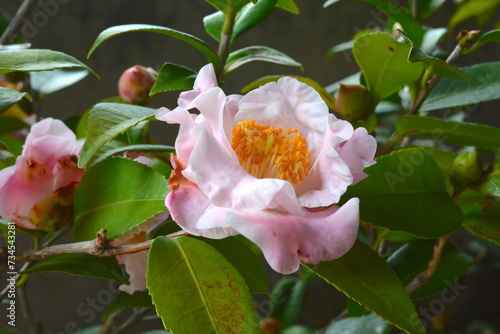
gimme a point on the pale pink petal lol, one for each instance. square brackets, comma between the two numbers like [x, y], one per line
[289, 104]
[329, 176]
[184, 143]
[227, 184]
[135, 266]
[358, 153]
[313, 237]
[205, 80]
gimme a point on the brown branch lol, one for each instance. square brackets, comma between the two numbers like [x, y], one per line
[17, 21]
[422, 278]
[98, 247]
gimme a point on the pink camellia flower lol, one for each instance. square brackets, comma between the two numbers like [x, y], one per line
[135, 84]
[38, 191]
[270, 165]
[135, 263]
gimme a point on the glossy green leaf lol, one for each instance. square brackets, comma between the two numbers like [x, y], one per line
[298, 329]
[383, 62]
[410, 183]
[482, 10]
[85, 265]
[45, 83]
[411, 26]
[427, 7]
[149, 148]
[124, 300]
[359, 325]
[339, 48]
[11, 124]
[244, 260]
[9, 97]
[249, 54]
[413, 258]
[449, 93]
[366, 278]
[459, 133]
[197, 43]
[328, 98]
[247, 18]
[5, 152]
[108, 120]
[434, 66]
[196, 290]
[228, 6]
[288, 5]
[33, 60]
[117, 194]
[173, 77]
[482, 220]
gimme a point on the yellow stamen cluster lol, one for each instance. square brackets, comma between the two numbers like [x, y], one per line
[267, 152]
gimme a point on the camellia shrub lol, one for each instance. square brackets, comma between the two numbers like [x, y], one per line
[375, 185]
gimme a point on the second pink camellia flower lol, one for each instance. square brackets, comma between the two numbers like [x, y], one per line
[270, 165]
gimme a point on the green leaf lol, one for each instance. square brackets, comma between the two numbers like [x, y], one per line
[33, 60]
[11, 124]
[124, 300]
[196, 290]
[482, 10]
[85, 265]
[244, 260]
[117, 194]
[482, 220]
[359, 325]
[135, 148]
[90, 330]
[459, 133]
[412, 27]
[288, 5]
[410, 185]
[197, 43]
[327, 97]
[413, 258]
[228, 6]
[492, 36]
[434, 66]
[173, 77]
[108, 120]
[366, 278]
[490, 185]
[247, 18]
[249, 54]
[251, 15]
[383, 62]
[49, 82]
[450, 93]
[5, 152]
[339, 48]
[9, 97]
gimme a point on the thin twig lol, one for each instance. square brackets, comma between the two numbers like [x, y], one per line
[98, 247]
[17, 21]
[136, 316]
[422, 278]
[110, 322]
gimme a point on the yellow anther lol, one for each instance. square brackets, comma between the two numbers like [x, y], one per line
[267, 152]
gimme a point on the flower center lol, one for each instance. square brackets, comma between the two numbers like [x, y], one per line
[267, 152]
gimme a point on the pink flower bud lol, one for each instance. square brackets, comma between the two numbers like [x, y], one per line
[136, 83]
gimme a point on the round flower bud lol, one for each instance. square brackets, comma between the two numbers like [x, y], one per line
[136, 83]
[467, 168]
[353, 102]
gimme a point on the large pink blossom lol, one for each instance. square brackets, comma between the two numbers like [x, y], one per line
[38, 191]
[270, 165]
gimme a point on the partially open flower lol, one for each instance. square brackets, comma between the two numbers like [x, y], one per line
[270, 165]
[38, 191]
[135, 84]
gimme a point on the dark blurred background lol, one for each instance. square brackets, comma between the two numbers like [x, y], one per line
[71, 26]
